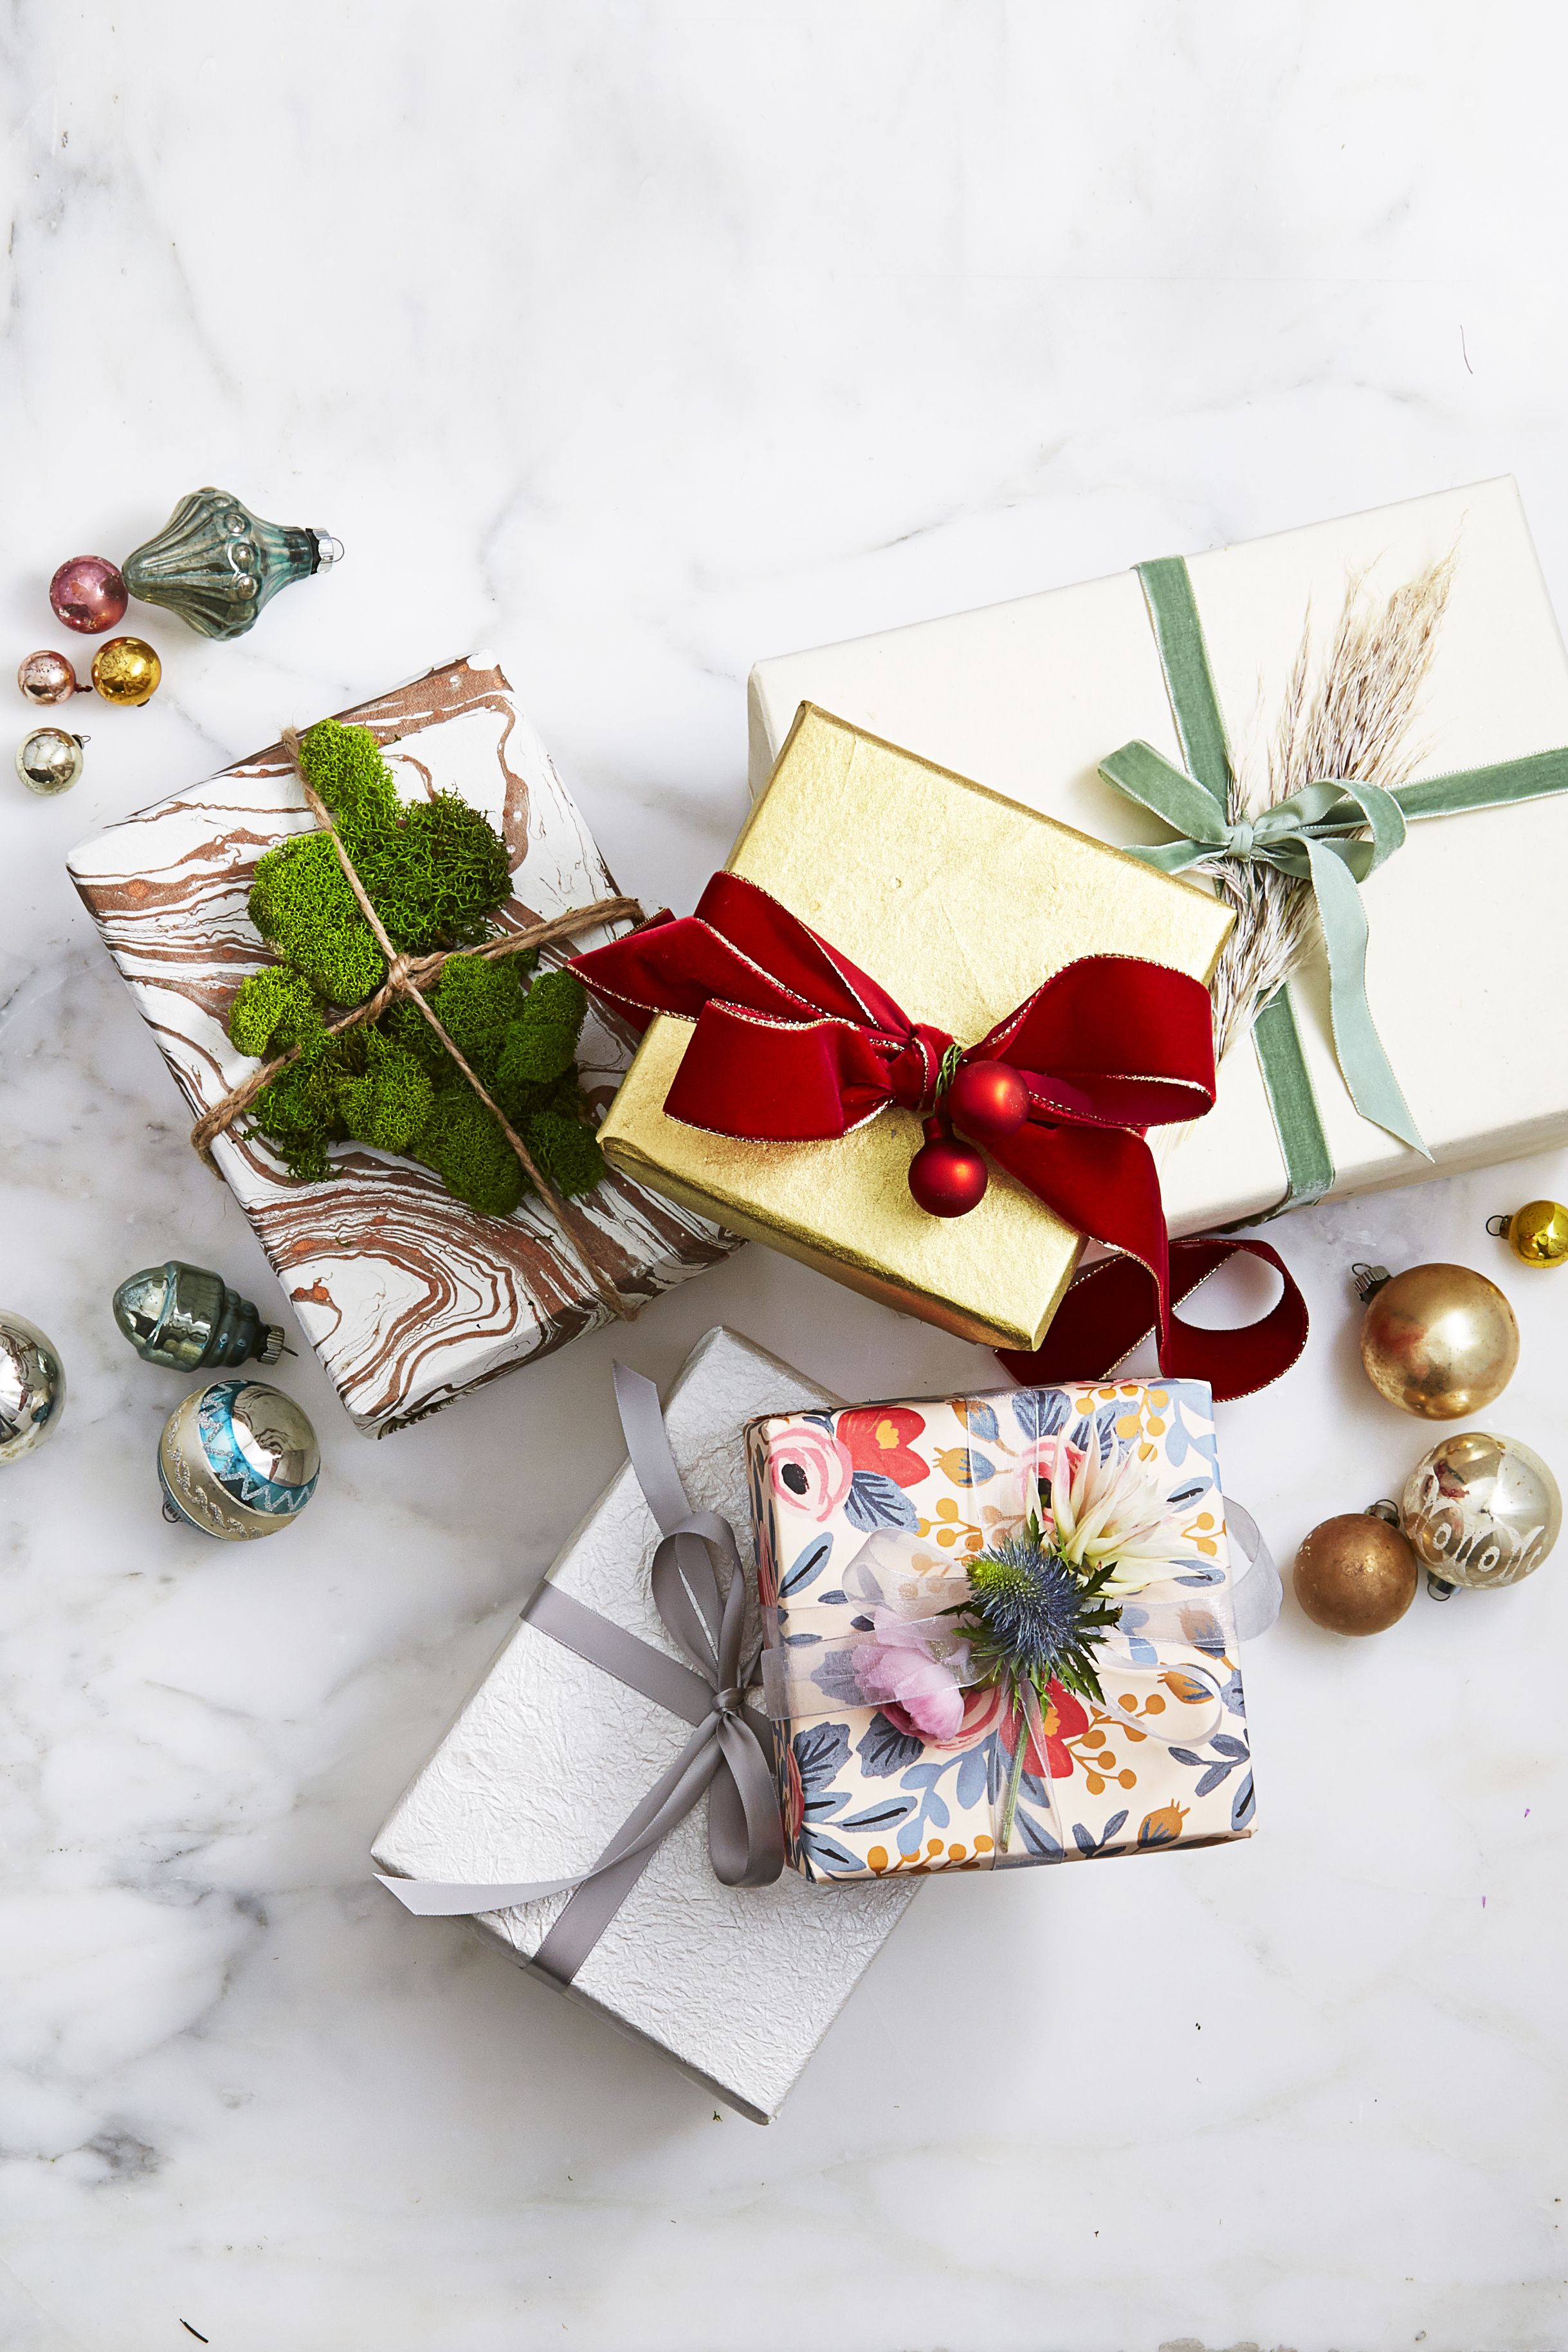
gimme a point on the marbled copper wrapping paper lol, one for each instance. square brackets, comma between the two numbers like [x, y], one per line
[406, 1295]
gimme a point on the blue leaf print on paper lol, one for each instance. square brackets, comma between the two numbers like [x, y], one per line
[978, 1419]
[883, 1748]
[1243, 1805]
[910, 1838]
[820, 1750]
[1190, 1493]
[1198, 1573]
[877, 1817]
[1039, 1412]
[807, 1568]
[1038, 1841]
[972, 1773]
[834, 1678]
[1083, 1838]
[827, 1857]
[1113, 1827]
[1212, 1778]
[819, 1420]
[875, 1501]
[1225, 1743]
[934, 1811]
[801, 1641]
[1133, 1619]
[1202, 1631]
[832, 1599]
[1185, 1756]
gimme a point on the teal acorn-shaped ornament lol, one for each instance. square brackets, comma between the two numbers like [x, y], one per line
[237, 1460]
[185, 1317]
[216, 565]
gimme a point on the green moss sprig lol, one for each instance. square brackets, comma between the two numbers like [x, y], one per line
[435, 874]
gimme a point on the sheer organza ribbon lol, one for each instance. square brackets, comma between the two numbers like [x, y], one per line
[725, 1757]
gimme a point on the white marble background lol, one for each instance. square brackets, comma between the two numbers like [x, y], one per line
[638, 341]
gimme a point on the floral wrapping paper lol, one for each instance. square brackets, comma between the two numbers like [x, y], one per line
[862, 1793]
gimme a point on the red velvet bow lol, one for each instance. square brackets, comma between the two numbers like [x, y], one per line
[794, 1043]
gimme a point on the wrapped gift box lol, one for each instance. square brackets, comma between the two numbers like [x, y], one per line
[960, 903]
[550, 1754]
[408, 1296]
[917, 1489]
[1467, 936]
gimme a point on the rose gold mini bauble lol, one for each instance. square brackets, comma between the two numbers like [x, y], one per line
[1439, 1342]
[988, 1098]
[1355, 1574]
[948, 1178]
[126, 670]
[45, 677]
[88, 595]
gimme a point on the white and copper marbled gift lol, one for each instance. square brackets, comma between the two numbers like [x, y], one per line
[408, 1296]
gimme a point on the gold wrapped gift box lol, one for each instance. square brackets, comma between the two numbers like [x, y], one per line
[960, 903]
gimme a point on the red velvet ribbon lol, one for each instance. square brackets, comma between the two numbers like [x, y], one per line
[1111, 1308]
[794, 1043]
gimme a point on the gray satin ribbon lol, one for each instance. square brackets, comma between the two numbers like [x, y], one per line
[724, 1755]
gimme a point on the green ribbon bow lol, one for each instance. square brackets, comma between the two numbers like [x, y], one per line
[1330, 834]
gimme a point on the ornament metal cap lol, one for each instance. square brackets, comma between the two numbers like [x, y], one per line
[185, 1317]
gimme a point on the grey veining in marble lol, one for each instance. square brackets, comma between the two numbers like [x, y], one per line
[639, 339]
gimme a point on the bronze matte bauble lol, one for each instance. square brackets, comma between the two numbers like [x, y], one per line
[1439, 1342]
[1355, 1574]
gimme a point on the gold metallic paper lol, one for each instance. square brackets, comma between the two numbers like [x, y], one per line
[960, 903]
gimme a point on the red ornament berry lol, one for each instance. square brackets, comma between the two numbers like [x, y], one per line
[948, 1178]
[988, 1098]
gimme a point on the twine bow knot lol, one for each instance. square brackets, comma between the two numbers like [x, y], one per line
[407, 979]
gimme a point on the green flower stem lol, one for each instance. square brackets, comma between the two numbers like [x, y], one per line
[1015, 1778]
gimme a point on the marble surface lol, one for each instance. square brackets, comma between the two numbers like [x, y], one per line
[638, 341]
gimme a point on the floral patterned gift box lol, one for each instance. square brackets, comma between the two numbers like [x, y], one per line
[908, 1554]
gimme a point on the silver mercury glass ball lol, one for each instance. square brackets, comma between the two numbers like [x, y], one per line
[237, 1459]
[32, 1386]
[48, 760]
[1481, 1511]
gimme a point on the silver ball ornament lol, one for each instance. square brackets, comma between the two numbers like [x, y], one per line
[237, 1459]
[48, 760]
[1481, 1511]
[32, 1386]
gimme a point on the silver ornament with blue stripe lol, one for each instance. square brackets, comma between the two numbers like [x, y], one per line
[239, 1460]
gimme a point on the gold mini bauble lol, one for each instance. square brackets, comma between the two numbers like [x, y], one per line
[1439, 1342]
[126, 670]
[1355, 1574]
[1537, 1232]
[1481, 1511]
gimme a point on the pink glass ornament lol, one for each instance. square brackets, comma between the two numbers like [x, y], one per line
[88, 595]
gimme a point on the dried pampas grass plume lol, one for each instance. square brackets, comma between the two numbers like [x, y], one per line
[1354, 724]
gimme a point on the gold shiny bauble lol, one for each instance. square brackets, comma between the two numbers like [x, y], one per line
[1439, 1342]
[1355, 1574]
[126, 670]
[1539, 1233]
[1481, 1510]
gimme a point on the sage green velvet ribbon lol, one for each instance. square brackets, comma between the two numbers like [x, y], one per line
[1330, 834]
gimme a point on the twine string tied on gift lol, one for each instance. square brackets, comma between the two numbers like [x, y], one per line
[407, 977]
[725, 1756]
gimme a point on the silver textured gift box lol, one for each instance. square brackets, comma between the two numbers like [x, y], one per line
[550, 1754]
[1467, 942]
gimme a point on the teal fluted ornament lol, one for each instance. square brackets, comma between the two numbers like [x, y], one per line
[185, 1317]
[216, 565]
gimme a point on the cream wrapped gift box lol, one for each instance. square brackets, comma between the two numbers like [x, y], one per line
[1468, 941]
[551, 1755]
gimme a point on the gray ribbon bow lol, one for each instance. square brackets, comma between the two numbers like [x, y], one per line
[724, 1756]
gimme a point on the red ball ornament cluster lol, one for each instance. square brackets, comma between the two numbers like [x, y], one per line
[948, 1176]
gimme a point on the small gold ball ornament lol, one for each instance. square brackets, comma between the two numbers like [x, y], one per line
[1439, 1342]
[1482, 1511]
[1537, 1232]
[48, 760]
[126, 670]
[1355, 1574]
